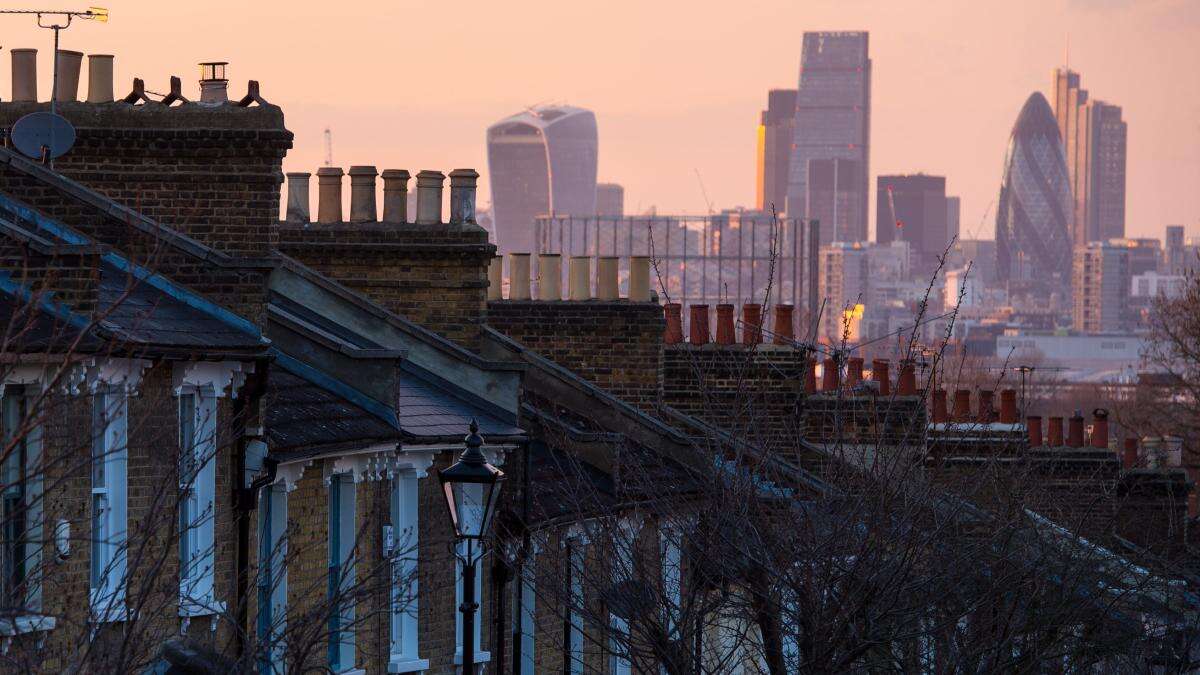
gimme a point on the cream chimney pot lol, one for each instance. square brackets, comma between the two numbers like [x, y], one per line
[496, 278]
[100, 78]
[329, 194]
[362, 194]
[395, 196]
[606, 278]
[69, 63]
[24, 74]
[550, 276]
[639, 279]
[579, 278]
[429, 197]
[518, 276]
[462, 195]
[297, 203]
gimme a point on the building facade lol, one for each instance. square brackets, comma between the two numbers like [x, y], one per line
[776, 133]
[914, 208]
[1101, 283]
[844, 286]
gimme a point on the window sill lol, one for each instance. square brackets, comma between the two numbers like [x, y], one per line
[480, 657]
[396, 665]
[109, 612]
[352, 671]
[26, 623]
[192, 607]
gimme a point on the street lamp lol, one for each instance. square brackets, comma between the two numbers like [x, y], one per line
[472, 489]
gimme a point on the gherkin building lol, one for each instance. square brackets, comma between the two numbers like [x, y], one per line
[1033, 216]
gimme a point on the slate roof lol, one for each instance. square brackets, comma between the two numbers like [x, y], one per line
[431, 413]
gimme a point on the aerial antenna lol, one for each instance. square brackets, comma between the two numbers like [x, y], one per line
[328, 147]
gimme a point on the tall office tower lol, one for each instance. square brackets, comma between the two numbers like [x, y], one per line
[1101, 284]
[1034, 210]
[913, 209]
[610, 199]
[833, 194]
[954, 217]
[776, 131]
[1145, 253]
[842, 284]
[1173, 252]
[980, 254]
[833, 121]
[1093, 136]
[541, 161]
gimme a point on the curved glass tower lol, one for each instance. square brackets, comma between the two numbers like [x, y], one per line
[1034, 215]
[541, 161]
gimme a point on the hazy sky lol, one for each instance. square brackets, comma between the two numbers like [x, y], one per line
[677, 86]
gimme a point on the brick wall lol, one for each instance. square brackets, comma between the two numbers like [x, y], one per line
[615, 345]
[434, 275]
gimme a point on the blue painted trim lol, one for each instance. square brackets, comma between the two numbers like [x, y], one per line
[45, 303]
[157, 281]
[336, 387]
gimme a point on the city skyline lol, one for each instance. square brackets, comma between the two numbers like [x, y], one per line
[924, 67]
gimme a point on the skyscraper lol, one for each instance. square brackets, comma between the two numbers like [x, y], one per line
[1101, 284]
[913, 209]
[833, 194]
[541, 161]
[833, 121]
[1094, 139]
[610, 199]
[776, 131]
[954, 216]
[1034, 211]
[1173, 251]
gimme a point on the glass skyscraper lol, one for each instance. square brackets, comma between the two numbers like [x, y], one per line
[833, 122]
[1034, 213]
[541, 161]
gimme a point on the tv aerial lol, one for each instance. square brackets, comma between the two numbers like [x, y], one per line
[46, 135]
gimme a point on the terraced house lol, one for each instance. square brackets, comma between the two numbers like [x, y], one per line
[222, 432]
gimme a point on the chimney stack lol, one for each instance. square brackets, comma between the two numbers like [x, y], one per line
[1035, 430]
[429, 197]
[1054, 435]
[24, 74]
[725, 324]
[830, 375]
[1075, 431]
[606, 278]
[674, 332]
[462, 195]
[879, 373]
[907, 382]
[1130, 456]
[1008, 406]
[329, 195]
[1100, 428]
[854, 370]
[751, 323]
[362, 194]
[549, 275]
[698, 328]
[297, 203]
[69, 64]
[810, 374]
[495, 277]
[639, 278]
[987, 406]
[395, 195]
[785, 330]
[940, 416]
[579, 277]
[100, 78]
[214, 86]
[962, 405]
[518, 276]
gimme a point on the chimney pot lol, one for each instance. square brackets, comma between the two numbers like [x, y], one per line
[518, 276]
[69, 63]
[830, 375]
[810, 375]
[785, 329]
[1075, 432]
[606, 278]
[462, 195]
[362, 194]
[1008, 406]
[987, 406]
[297, 203]
[879, 373]
[962, 405]
[907, 382]
[429, 197]
[1100, 428]
[1035, 431]
[495, 278]
[100, 78]
[24, 74]
[698, 328]
[940, 416]
[579, 277]
[751, 323]
[1130, 456]
[1054, 434]
[639, 278]
[725, 324]
[329, 195]
[549, 276]
[854, 370]
[214, 86]
[674, 332]
[395, 195]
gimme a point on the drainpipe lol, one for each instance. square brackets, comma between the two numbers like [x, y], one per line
[245, 407]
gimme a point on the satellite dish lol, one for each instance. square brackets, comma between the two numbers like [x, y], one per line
[43, 134]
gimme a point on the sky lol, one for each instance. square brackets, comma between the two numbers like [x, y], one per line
[677, 85]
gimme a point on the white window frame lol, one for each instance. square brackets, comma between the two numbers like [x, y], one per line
[576, 552]
[272, 580]
[526, 618]
[625, 544]
[198, 484]
[404, 655]
[343, 530]
[24, 473]
[110, 466]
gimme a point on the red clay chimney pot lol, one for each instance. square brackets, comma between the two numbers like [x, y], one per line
[1075, 431]
[962, 405]
[1129, 457]
[879, 372]
[854, 370]
[907, 382]
[674, 333]
[785, 331]
[751, 323]
[1035, 431]
[1054, 435]
[698, 330]
[725, 324]
[829, 379]
[1100, 428]
[1008, 406]
[940, 416]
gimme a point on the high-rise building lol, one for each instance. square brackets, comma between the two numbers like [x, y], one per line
[954, 217]
[834, 196]
[842, 284]
[1173, 253]
[913, 208]
[833, 121]
[1034, 209]
[1101, 284]
[1093, 136]
[980, 254]
[610, 199]
[776, 131]
[541, 161]
[1145, 253]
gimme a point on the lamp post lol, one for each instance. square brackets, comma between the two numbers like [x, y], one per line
[472, 489]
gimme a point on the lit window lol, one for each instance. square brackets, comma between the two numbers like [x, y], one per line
[110, 457]
[197, 504]
[22, 505]
[341, 572]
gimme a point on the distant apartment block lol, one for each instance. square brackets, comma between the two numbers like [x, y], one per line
[610, 199]
[833, 122]
[776, 132]
[843, 285]
[913, 208]
[1094, 142]
[1145, 254]
[1101, 285]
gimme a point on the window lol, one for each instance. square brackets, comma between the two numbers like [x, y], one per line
[404, 648]
[110, 456]
[341, 572]
[272, 578]
[525, 612]
[197, 488]
[575, 560]
[21, 485]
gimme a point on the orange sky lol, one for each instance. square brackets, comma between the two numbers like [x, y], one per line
[677, 85]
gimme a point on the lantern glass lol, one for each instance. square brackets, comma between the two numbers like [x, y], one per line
[471, 490]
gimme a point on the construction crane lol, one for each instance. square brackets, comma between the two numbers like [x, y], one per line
[328, 147]
[703, 191]
[892, 207]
